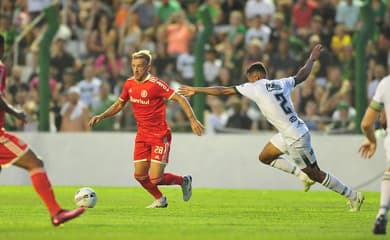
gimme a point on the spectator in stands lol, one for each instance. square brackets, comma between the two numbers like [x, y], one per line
[211, 67]
[102, 36]
[100, 104]
[74, 113]
[16, 84]
[282, 60]
[232, 46]
[89, 86]
[229, 6]
[264, 8]
[310, 116]
[258, 30]
[307, 92]
[130, 36]
[7, 30]
[92, 41]
[177, 33]
[216, 119]
[379, 73]
[276, 31]
[254, 52]
[347, 14]
[347, 62]
[61, 59]
[239, 118]
[215, 11]
[339, 40]
[325, 59]
[343, 119]
[146, 11]
[68, 80]
[302, 12]
[185, 67]
[336, 90]
[166, 9]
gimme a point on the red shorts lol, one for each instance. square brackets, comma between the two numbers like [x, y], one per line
[155, 151]
[11, 148]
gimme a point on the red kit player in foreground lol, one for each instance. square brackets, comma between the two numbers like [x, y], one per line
[146, 94]
[14, 151]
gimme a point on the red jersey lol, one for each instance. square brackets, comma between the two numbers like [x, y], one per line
[3, 75]
[147, 101]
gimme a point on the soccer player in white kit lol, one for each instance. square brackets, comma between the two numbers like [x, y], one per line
[380, 102]
[293, 137]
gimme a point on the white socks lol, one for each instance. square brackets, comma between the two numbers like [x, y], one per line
[385, 195]
[286, 166]
[336, 185]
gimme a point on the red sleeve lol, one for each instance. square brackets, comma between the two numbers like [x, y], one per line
[125, 92]
[163, 89]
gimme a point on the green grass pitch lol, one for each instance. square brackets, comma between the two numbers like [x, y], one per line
[211, 214]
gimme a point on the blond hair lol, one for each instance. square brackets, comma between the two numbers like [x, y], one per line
[145, 54]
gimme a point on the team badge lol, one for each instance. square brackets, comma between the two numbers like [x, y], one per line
[144, 93]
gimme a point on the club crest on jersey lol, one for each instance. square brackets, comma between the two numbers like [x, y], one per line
[144, 93]
[272, 87]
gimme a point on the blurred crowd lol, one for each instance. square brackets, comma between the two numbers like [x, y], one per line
[90, 58]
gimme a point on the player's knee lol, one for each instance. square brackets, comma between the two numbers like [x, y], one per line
[156, 180]
[37, 163]
[265, 158]
[141, 178]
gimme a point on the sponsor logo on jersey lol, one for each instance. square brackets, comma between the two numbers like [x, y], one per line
[273, 87]
[144, 93]
[139, 101]
[160, 84]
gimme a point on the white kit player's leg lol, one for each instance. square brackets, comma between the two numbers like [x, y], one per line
[283, 164]
[385, 195]
[381, 218]
[355, 198]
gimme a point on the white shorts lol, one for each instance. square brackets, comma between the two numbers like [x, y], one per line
[300, 151]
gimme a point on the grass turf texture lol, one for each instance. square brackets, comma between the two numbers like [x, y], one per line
[211, 214]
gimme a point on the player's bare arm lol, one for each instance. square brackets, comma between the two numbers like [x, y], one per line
[8, 108]
[304, 72]
[196, 126]
[383, 120]
[111, 111]
[215, 90]
[368, 147]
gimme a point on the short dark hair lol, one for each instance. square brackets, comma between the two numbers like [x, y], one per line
[257, 67]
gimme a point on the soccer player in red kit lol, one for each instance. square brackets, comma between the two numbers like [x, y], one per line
[146, 94]
[13, 151]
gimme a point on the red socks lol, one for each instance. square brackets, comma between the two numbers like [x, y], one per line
[150, 187]
[42, 186]
[171, 179]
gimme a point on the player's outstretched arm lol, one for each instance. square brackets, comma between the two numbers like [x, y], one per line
[368, 147]
[215, 90]
[304, 72]
[8, 108]
[196, 126]
[111, 111]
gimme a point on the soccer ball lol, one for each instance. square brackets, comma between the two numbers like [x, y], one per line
[85, 197]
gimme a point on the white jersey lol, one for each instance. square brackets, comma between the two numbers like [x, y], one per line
[274, 100]
[381, 99]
